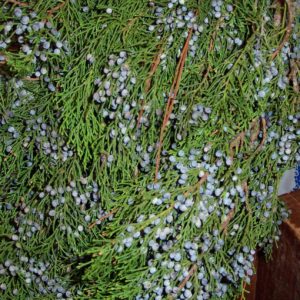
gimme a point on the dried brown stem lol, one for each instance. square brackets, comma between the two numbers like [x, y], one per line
[102, 218]
[31, 78]
[57, 7]
[264, 130]
[187, 278]
[246, 190]
[211, 47]
[228, 218]
[11, 153]
[255, 131]
[293, 76]
[243, 292]
[206, 73]
[214, 35]
[278, 13]
[237, 143]
[153, 69]
[23, 4]
[172, 97]
[197, 185]
[288, 29]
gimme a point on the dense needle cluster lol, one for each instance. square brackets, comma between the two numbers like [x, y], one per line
[141, 145]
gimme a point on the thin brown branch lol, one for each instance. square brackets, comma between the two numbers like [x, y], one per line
[264, 130]
[206, 73]
[245, 188]
[130, 23]
[153, 69]
[288, 29]
[293, 76]
[197, 185]
[278, 13]
[211, 46]
[177, 79]
[246, 191]
[237, 143]
[172, 97]
[243, 291]
[57, 7]
[103, 218]
[11, 153]
[15, 2]
[187, 278]
[148, 82]
[254, 129]
[214, 35]
[31, 78]
[228, 218]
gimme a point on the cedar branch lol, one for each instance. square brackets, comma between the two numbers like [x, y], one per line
[198, 184]
[153, 69]
[228, 218]
[293, 76]
[278, 13]
[236, 143]
[57, 7]
[102, 218]
[288, 29]
[172, 96]
[186, 279]
[23, 4]
[264, 130]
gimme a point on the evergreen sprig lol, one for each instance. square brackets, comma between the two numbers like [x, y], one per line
[142, 143]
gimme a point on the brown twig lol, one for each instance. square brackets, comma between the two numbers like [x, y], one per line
[246, 191]
[231, 213]
[11, 153]
[211, 47]
[130, 23]
[172, 97]
[288, 29]
[207, 71]
[186, 279]
[264, 130]
[197, 185]
[57, 7]
[228, 218]
[102, 218]
[293, 76]
[213, 38]
[31, 78]
[177, 79]
[153, 69]
[243, 292]
[141, 112]
[254, 134]
[23, 4]
[278, 12]
[237, 143]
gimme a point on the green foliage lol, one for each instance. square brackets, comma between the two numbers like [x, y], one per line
[86, 190]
